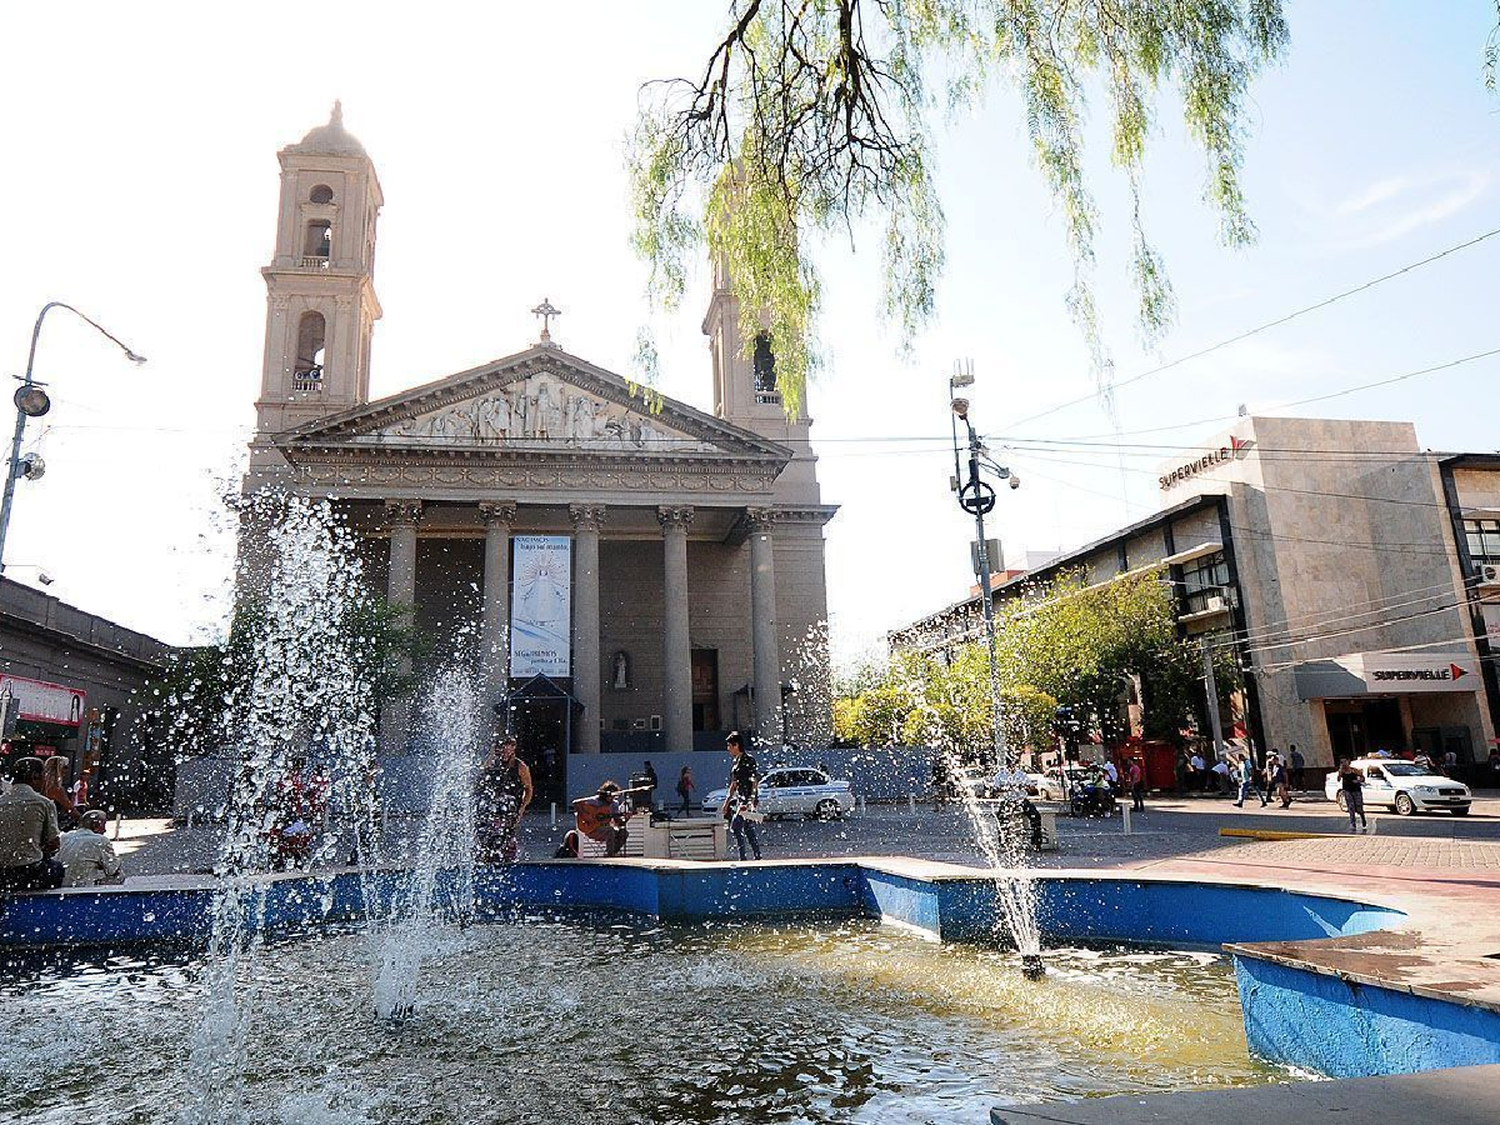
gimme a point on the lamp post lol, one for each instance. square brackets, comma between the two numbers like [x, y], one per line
[33, 402]
[977, 496]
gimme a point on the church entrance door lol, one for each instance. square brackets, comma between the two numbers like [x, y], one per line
[706, 689]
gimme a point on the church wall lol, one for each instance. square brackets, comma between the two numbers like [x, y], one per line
[631, 619]
[802, 624]
[719, 618]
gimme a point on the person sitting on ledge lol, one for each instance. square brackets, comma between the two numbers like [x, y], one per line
[601, 818]
[28, 833]
[86, 854]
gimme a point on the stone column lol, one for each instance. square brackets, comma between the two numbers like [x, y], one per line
[401, 517]
[494, 638]
[679, 657]
[767, 678]
[587, 521]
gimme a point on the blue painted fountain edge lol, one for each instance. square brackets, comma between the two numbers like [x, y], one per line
[1346, 1029]
[1292, 1015]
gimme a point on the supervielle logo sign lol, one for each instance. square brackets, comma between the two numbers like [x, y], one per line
[1211, 460]
[1450, 674]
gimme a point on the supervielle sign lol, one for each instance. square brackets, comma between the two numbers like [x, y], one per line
[1210, 460]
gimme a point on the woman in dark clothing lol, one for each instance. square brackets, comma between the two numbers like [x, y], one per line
[501, 796]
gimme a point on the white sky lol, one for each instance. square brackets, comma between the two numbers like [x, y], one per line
[142, 185]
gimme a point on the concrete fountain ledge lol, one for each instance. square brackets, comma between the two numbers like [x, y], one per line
[1343, 979]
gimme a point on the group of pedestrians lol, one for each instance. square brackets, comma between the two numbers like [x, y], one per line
[1274, 779]
[504, 791]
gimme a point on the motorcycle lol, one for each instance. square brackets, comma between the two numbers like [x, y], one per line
[1092, 796]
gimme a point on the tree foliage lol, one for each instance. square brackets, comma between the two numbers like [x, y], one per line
[1067, 644]
[193, 704]
[810, 115]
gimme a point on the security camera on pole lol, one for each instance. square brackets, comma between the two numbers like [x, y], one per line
[977, 497]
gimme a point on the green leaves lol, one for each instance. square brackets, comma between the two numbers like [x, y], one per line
[812, 115]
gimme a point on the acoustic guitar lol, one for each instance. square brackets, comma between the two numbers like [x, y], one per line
[593, 818]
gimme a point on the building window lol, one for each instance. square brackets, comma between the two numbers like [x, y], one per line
[307, 371]
[763, 365]
[321, 194]
[1484, 541]
[317, 247]
[1203, 579]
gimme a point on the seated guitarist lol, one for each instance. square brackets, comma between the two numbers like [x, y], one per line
[601, 817]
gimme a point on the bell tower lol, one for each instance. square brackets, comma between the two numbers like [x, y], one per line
[321, 303]
[745, 391]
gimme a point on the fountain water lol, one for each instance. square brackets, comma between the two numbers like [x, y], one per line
[441, 882]
[999, 831]
[297, 684]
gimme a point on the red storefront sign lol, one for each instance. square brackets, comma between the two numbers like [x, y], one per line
[43, 702]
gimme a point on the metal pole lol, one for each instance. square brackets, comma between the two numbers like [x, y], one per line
[1212, 686]
[14, 464]
[987, 601]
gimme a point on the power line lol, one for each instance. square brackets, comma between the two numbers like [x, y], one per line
[1245, 335]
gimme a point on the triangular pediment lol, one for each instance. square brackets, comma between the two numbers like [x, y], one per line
[540, 401]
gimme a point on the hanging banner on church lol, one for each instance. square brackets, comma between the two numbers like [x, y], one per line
[541, 610]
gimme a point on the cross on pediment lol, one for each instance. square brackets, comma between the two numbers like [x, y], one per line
[546, 312]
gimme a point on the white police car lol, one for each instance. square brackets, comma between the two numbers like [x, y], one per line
[1403, 786]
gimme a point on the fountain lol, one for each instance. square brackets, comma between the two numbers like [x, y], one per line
[726, 1002]
[440, 885]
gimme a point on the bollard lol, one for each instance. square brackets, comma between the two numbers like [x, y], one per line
[118, 818]
[1125, 810]
[911, 802]
[554, 814]
[861, 800]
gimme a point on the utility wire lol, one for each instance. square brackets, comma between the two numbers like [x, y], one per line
[1245, 335]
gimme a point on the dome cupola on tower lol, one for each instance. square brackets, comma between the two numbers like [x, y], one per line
[331, 139]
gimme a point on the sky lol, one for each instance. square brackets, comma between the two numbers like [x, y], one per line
[143, 183]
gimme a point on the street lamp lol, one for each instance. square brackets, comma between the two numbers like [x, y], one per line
[33, 402]
[977, 497]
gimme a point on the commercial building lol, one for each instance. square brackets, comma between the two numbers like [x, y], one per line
[74, 677]
[644, 575]
[1356, 575]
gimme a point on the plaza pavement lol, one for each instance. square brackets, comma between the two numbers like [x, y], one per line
[1170, 830]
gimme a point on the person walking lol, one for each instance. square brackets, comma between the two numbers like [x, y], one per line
[1135, 780]
[685, 789]
[744, 787]
[1276, 778]
[1245, 775]
[1299, 769]
[1352, 782]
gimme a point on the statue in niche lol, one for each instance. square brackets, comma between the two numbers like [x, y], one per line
[619, 671]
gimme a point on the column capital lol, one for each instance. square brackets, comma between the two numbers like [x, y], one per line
[762, 520]
[674, 518]
[587, 517]
[497, 512]
[403, 513]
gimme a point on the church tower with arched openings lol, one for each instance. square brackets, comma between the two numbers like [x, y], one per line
[745, 391]
[321, 303]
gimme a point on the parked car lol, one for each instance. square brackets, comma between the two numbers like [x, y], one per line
[794, 791]
[1404, 786]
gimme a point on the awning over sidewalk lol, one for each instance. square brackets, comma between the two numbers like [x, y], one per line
[1387, 673]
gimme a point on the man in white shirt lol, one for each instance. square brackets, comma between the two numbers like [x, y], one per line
[1114, 774]
[87, 856]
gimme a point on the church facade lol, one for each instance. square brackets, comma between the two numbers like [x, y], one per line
[638, 576]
